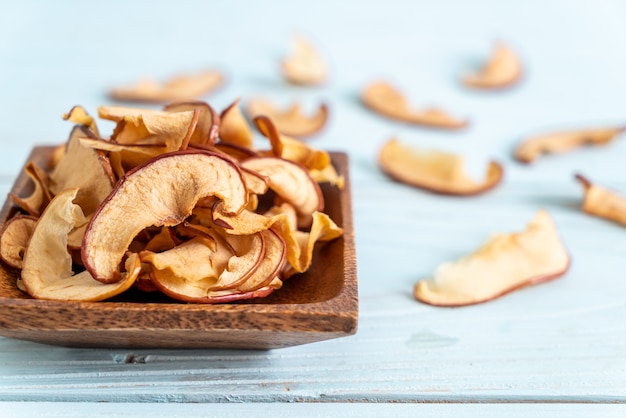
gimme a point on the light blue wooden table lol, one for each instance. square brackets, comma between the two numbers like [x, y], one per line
[558, 348]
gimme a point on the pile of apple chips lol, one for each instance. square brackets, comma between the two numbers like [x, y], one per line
[177, 200]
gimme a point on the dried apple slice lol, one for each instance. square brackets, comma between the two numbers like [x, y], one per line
[559, 142]
[305, 66]
[292, 183]
[234, 128]
[383, 98]
[47, 266]
[40, 197]
[208, 127]
[14, 238]
[79, 115]
[504, 263]
[291, 121]
[503, 69]
[182, 87]
[435, 171]
[84, 168]
[271, 265]
[290, 148]
[170, 186]
[602, 202]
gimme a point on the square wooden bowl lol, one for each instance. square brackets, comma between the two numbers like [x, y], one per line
[317, 305]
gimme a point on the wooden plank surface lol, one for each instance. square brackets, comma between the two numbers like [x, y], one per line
[559, 344]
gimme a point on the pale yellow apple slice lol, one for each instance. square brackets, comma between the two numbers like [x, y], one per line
[163, 191]
[602, 202]
[504, 263]
[234, 128]
[436, 171]
[84, 168]
[560, 142]
[14, 238]
[182, 87]
[503, 69]
[47, 265]
[384, 99]
[291, 121]
[291, 182]
[305, 65]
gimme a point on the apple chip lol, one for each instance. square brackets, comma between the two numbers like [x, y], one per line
[183, 87]
[383, 98]
[560, 142]
[84, 168]
[41, 195]
[14, 238]
[234, 128]
[292, 183]
[171, 185]
[436, 171]
[504, 263]
[291, 121]
[602, 202]
[47, 265]
[79, 115]
[305, 66]
[503, 69]
[208, 128]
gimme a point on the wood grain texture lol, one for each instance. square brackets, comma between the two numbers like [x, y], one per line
[319, 304]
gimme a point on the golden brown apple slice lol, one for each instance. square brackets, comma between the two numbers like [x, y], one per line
[36, 202]
[47, 266]
[602, 202]
[291, 121]
[163, 191]
[84, 168]
[436, 171]
[504, 263]
[208, 127]
[271, 265]
[290, 148]
[383, 98]
[292, 183]
[559, 142]
[503, 69]
[234, 128]
[182, 87]
[79, 115]
[305, 66]
[14, 238]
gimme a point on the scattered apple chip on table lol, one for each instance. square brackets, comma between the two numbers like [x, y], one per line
[602, 202]
[305, 65]
[504, 263]
[560, 142]
[503, 69]
[182, 87]
[292, 121]
[385, 99]
[432, 170]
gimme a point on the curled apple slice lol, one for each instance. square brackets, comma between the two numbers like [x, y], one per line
[504, 263]
[207, 130]
[171, 185]
[383, 98]
[79, 115]
[36, 202]
[559, 142]
[182, 87]
[435, 171]
[305, 66]
[503, 69]
[84, 168]
[47, 265]
[291, 121]
[14, 238]
[290, 148]
[234, 128]
[602, 202]
[292, 183]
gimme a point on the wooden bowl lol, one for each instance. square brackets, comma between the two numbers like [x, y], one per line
[317, 305]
